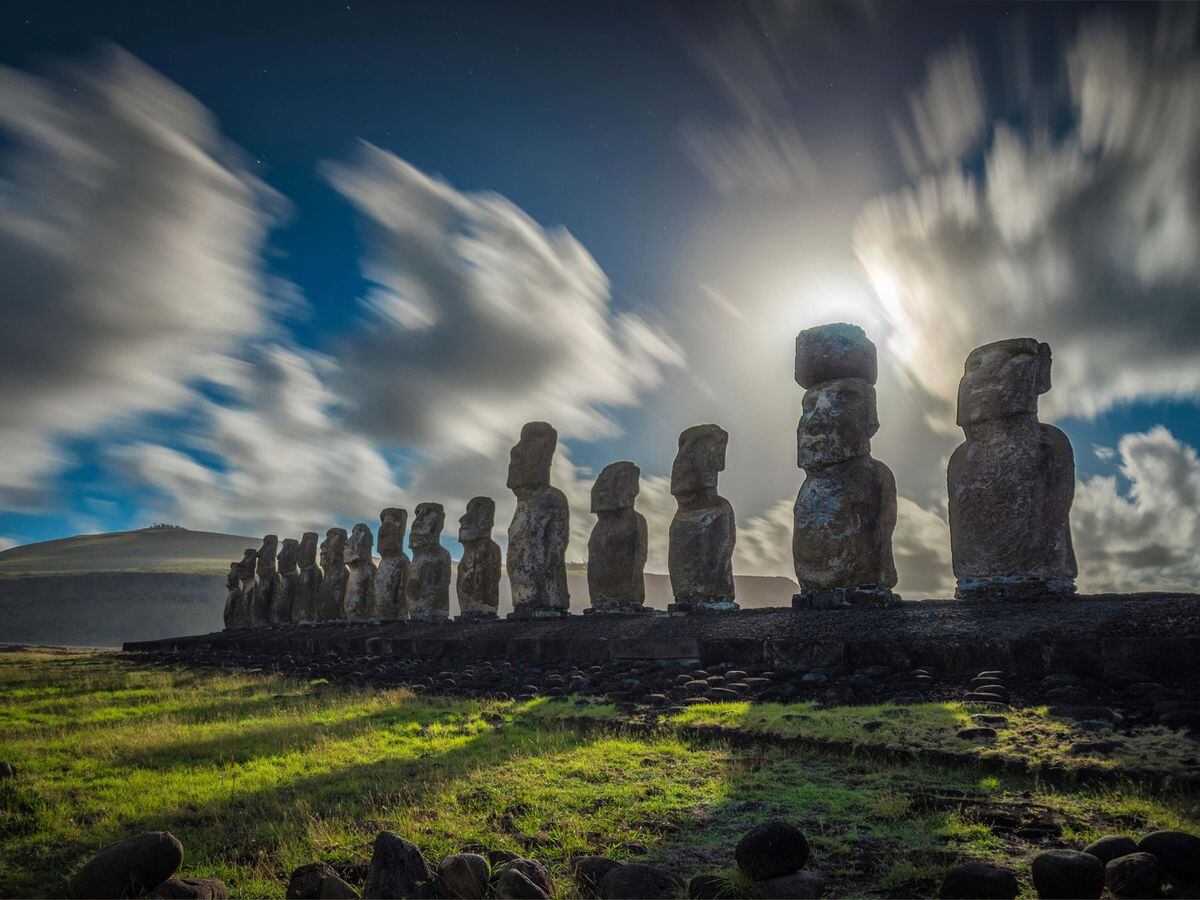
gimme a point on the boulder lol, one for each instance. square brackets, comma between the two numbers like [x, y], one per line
[1134, 876]
[513, 884]
[977, 880]
[464, 875]
[129, 867]
[306, 882]
[531, 869]
[1177, 852]
[1067, 875]
[637, 881]
[710, 887]
[1111, 846]
[794, 886]
[176, 888]
[771, 849]
[7, 770]
[397, 869]
[590, 870]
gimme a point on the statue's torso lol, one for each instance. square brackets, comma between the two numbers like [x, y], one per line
[428, 584]
[537, 545]
[617, 558]
[700, 555]
[478, 585]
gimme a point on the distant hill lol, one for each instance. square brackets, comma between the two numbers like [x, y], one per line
[104, 589]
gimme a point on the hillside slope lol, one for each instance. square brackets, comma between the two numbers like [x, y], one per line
[144, 550]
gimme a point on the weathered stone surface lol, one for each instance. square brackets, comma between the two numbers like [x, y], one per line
[540, 528]
[478, 582]
[617, 545]
[464, 876]
[1176, 851]
[286, 578]
[391, 598]
[233, 596]
[428, 587]
[308, 584]
[976, 880]
[590, 870]
[794, 886]
[637, 880]
[707, 886]
[1133, 876]
[703, 531]
[397, 869]
[845, 512]
[359, 600]
[771, 849]
[522, 879]
[7, 771]
[1067, 875]
[264, 581]
[245, 611]
[129, 867]
[334, 575]
[318, 881]
[1011, 483]
[176, 888]
[1111, 846]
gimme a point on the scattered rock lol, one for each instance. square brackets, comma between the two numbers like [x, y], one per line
[709, 887]
[771, 849]
[533, 870]
[318, 881]
[7, 770]
[978, 734]
[1111, 846]
[1067, 875]
[498, 858]
[794, 886]
[1176, 851]
[1133, 876]
[176, 888]
[129, 867]
[635, 880]
[513, 884]
[464, 876]
[976, 880]
[590, 870]
[397, 868]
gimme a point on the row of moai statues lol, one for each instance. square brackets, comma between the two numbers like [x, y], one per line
[1011, 484]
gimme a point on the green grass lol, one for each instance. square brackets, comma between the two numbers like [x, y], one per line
[258, 774]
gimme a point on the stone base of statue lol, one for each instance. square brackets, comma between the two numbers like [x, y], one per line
[1007, 588]
[842, 598]
[477, 615]
[429, 615]
[688, 605]
[618, 609]
[518, 615]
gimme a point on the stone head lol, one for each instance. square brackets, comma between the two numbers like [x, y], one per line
[333, 549]
[1003, 379]
[838, 350]
[529, 461]
[700, 459]
[392, 522]
[289, 552]
[248, 563]
[837, 424]
[361, 542]
[428, 522]
[266, 554]
[616, 487]
[477, 522]
[307, 552]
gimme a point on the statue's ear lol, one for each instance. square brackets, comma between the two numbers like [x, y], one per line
[1043, 381]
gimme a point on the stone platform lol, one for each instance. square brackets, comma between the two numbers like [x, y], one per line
[1155, 635]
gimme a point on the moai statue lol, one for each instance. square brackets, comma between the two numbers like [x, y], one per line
[428, 587]
[308, 584]
[233, 596]
[391, 602]
[1011, 482]
[478, 583]
[703, 532]
[284, 590]
[540, 528]
[617, 545]
[846, 509]
[359, 598]
[334, 576]
[245, 613]
[265, 582]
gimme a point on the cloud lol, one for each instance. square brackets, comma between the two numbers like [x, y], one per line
[947, 112]
[129, 256]
[479, 319]
[1085, 241]
[1145, 537]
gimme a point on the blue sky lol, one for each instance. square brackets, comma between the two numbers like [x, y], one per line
[683, 188]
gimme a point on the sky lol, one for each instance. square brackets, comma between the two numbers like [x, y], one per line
[277, 266]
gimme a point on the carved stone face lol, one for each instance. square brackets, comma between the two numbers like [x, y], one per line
[360, 544]
[1003, 379]
[266, 554]
[476, 523]
[700, 459]
[529, 461]
[616, 487]
[307, 553]
[427, 525]
[289, 551]
[334, 548]
[838, 422]
[392, 522]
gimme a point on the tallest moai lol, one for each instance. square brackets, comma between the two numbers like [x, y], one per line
[1011, 482]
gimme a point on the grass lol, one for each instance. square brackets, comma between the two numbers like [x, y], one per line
[257, 774]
